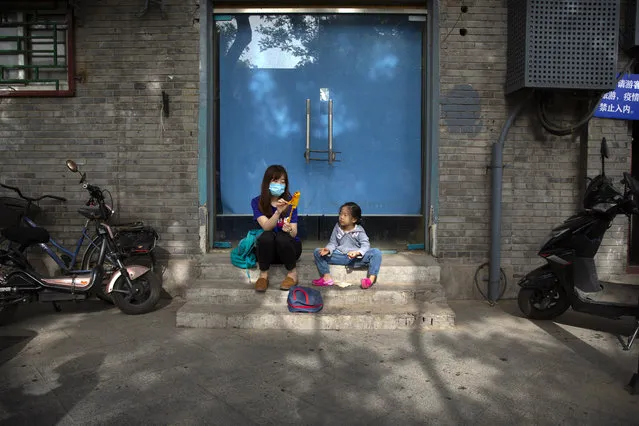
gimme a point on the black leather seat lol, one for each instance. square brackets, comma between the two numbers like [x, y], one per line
[26, 236]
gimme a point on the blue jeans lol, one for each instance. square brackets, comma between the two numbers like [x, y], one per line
[372, 259]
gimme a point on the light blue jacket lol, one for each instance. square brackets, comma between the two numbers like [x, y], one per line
[354, 240]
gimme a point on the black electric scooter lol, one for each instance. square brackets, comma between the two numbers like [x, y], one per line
[569, 278]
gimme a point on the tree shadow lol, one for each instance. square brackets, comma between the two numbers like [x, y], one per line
[487, 368]
[29, 405]
[434, 378]
[544, 373]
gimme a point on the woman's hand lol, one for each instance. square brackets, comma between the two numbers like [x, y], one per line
[290, 228]
[353, 254]
[324, 251]
[281, 206]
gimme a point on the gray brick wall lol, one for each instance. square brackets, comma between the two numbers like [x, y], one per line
[541, 179]
[612, 257]
[113, 127]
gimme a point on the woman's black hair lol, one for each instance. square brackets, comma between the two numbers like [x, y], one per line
[272, 172]
[356, 211]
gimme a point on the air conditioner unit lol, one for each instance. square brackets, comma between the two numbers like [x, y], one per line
[562, 44]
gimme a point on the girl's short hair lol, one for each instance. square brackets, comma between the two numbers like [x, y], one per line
[355, 210]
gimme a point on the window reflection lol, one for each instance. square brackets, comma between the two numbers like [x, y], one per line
[368, 65]
[373, 43]
[270, 41]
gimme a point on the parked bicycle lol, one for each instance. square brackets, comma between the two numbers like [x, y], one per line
[135, 289]
[135, 241]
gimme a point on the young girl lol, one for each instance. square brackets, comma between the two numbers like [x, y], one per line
[279, 242]
[348, 245]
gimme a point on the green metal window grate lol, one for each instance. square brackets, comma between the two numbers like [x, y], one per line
[34, 52]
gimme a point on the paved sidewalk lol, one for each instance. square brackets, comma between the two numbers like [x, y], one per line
[91, 364]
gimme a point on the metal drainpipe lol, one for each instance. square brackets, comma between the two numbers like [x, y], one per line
[495, 217]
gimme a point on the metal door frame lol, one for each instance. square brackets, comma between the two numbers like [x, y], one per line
[208, 108]
[321, 10]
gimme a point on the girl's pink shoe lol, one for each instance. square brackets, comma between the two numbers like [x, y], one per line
[321, 282]
[366, 283]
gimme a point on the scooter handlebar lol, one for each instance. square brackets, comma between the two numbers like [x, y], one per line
[94, 191]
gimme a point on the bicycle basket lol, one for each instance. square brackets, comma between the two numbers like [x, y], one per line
[137, 240]
[12, 208]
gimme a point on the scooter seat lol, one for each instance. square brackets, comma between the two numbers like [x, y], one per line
[612, 294]
[26, 236]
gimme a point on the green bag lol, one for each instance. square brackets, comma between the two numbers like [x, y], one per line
[243, 256]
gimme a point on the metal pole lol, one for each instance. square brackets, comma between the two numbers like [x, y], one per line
[307, 152]
[431, 100]
[330, 131]
[495, 222]
[495, 218]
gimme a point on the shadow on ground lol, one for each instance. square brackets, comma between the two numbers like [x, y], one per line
[103, 367]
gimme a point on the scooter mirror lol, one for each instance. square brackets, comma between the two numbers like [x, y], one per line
[72, 166]
[604, 148]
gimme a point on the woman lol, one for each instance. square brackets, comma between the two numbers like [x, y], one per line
[279, 242]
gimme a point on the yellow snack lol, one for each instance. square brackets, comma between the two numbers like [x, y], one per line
[293, 203]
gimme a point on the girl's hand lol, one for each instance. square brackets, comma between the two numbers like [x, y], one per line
[287, 227]
[353, 254]
[324, 251]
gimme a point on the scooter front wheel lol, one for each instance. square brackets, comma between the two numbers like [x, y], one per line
[141, 298]
[543, 304]
[90, 259]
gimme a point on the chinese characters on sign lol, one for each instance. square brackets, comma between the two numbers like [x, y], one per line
[623, 102]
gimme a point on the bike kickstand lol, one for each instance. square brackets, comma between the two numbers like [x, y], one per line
[56, 307]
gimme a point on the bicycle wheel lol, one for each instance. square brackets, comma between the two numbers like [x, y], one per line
[90, 259]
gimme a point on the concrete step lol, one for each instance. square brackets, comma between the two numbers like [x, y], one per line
[373, 317]
[407, 268]
[237, 292]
